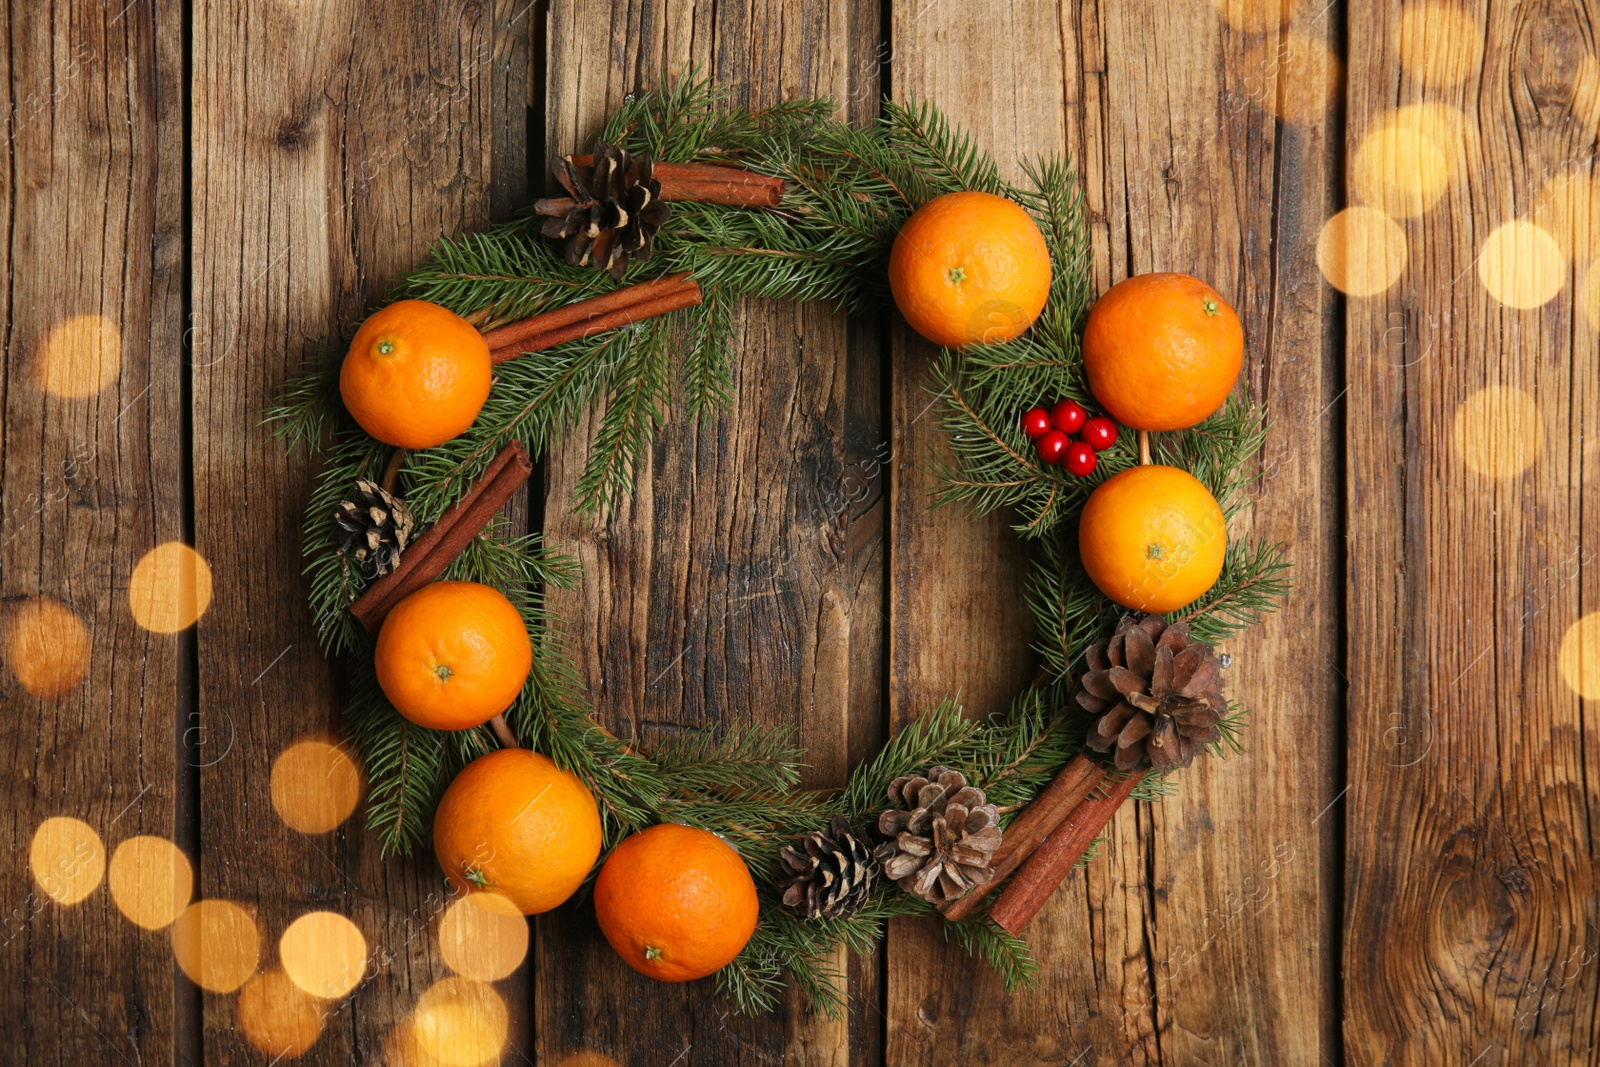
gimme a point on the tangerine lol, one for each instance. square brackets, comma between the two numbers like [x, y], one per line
[969, 267]
[1153, 538]
[677, 903]
[416, 375]
[1162, 351]
[453, 655]
[514, 823]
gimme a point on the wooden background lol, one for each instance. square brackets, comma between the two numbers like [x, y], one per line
[1401, 869]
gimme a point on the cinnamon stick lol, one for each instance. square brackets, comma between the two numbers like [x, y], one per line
[710, 184]
[672, 301]
[591, 308]
[431, 553]
[1033, 825]
[1053, 860]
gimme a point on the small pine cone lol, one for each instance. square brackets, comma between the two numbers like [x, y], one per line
[831, 873]
[609, 215]
[1156, 692]
[943, 834]
[377, 527]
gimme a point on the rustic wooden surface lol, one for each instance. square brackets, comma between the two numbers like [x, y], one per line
[1401, 867]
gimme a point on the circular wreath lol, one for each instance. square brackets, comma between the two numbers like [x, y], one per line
[782, 203]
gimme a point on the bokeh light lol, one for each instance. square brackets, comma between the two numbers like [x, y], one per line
[588, 1058]
[1402, 167]
[67, 859]
[324, 954]
[1579, 659]
[1568, 207]
[1295, 77]
[150, 881]
[483, 936]
[170, 588]
[1252, 16]
[315, 785]
[277, 1017]
[1589, 295]
[1440, 44]
[1521, 265]
[460, 1022]
[217, 945]
[81, 356]
[1498, 431]
[1361, 251]
[46, 647]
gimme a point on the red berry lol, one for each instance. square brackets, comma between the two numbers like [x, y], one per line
[1051, 445]
[1036, 423]
[1080, 459]
[1067, 416]
[1099, 433]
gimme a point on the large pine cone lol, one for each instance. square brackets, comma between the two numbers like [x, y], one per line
[1157, 692]
[609, 215]
[943, 838]
[831, 874]
[377, 526]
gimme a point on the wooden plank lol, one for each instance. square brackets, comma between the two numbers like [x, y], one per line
[742, 581]
[332, 144]
[1471, 898]
[90, 454]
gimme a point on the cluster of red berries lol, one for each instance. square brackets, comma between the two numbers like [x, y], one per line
[1051, 433]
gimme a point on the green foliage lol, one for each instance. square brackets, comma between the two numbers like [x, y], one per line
[847, 192]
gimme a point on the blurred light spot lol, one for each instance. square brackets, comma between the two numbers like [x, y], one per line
[47, 647]
[315, 786]
[588, 1058]
[1401, 167]
[1568, 207]
[217, 944]
[1586, 92]
[1580, 656]
[324, 954]
[460, 1022]
[1440, 45]
[81, 356]
[67, 859]
[1295, 78]
[151, 881]
[1521, 265]
[1361, 251]
[483, 936]
[1589, 295]
[1498, 431]
[1252, 16]
[277, 1017]
[170, 588]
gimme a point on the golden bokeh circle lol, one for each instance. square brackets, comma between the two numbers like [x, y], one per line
[1498, 431]
[1579, 658]
[1568, 207]
[588, 1058]
[1295, 77]
[1589, 295]
[170, 588]
[1521, 265]
[460, 1022]
[483, 936]
[1361, 251]
[46, 647]
[81, 356]
[150, 880]
[1402, 167]
[217, 944]
[67, 859]
[277, 1017]
[324, 954]
[1440, 44]
[315, 785]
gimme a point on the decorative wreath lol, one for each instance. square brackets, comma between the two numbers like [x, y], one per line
[619, 291]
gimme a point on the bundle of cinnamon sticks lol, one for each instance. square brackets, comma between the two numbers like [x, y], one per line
[608, 311]
[1045, 841]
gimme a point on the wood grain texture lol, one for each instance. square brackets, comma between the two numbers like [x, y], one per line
[333, 143]
[93, 177]
[1472, 911]
[742, 581]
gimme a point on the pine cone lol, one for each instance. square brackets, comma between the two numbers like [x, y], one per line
[831, 874]
[377, 526]
[1157, 692]
[944, 838]
[612, 216]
